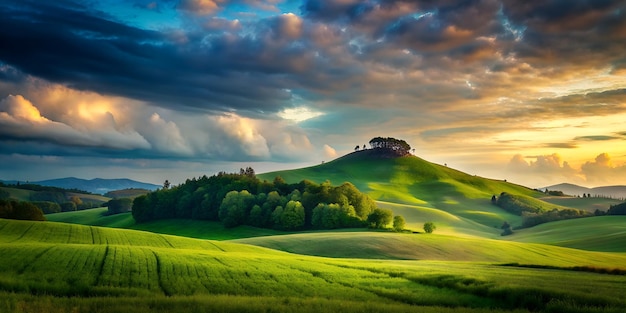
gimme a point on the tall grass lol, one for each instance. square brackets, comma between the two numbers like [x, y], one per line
[46, 266]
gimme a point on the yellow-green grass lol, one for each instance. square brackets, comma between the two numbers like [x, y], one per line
[93, 217]
[601, 233]
[446, 223]
[180, 227]
[56, 267]
[203, 229]
[406, 246]
[413, 181]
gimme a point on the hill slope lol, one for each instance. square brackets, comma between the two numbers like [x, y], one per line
[96, 185]
[83, 268]
[414, 181]
[617, 192]
[601, 233]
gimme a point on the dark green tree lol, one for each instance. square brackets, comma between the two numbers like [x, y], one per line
[379, 218]
[429, 227]
[399, 223]
[121, 205]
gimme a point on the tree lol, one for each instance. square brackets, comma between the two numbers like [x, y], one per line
[68, 207]
[506, 227]
[379, 218]
[120, 205]
[429, 227]
[166, 184]
[20, 210]
[398, 223]
[398, 146]
[235, 207]
[289, 218]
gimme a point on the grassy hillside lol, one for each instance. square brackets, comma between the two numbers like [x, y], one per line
[413, 181]
[18, 194]
[28, 195]
[179, 227]
[56, 267]
[602, 233]
[590, 204]
[93, 217]
[384, 245]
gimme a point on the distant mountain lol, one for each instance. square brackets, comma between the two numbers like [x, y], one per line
[618, 192]
[96, 185]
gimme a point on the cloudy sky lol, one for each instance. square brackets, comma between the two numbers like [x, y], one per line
[529, 91]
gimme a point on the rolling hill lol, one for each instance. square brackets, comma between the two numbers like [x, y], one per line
[96, 185]
[616, 192]
[413, 181]
[56, 267]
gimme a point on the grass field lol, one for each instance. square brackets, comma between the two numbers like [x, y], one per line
[60, 267]
[57, 267]
[179, 227]
[405, 246]
[602, 233]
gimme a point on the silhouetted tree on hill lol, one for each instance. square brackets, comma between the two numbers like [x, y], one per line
[399, 147]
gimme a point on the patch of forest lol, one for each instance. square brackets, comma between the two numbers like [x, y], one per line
[243, 199]
[532, 212]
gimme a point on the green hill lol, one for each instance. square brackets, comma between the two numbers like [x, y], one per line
[56, 267]
[601, 233]
[413, 181]
[384, 245]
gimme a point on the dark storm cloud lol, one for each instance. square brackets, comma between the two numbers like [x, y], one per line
[440, 71]
[87, 51]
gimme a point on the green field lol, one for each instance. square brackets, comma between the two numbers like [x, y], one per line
[56, 267]
[179, 227]
[86, 261]
[602, 233]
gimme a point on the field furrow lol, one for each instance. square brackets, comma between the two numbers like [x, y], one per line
[52, 259]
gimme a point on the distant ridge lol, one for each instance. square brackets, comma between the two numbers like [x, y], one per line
[96, 185]
[617, 192]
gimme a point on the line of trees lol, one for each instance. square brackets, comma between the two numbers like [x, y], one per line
[20, 210]
[242, 199]
[533, 215]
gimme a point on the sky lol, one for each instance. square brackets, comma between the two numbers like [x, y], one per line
[533, 92]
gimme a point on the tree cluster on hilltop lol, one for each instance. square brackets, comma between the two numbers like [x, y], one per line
[243, 199]
[397, 146]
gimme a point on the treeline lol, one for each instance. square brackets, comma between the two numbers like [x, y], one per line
[52, 199]
[20, 210]
[533, 215]
[618, 209]
[35, 187]
[242, 199]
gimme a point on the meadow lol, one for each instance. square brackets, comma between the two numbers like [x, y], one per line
[57, 267]
[88, 261]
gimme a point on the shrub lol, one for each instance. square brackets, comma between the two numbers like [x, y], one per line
[429, 227]
[399, 223]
